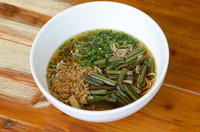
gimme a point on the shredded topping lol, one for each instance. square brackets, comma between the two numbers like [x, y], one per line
[66, 82]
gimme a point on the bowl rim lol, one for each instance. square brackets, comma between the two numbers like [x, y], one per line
[99, 113]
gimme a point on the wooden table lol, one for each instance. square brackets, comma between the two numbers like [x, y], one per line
[176, 107]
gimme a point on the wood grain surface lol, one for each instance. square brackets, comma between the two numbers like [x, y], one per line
[175, 108]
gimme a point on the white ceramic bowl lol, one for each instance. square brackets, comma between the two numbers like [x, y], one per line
[98, 15]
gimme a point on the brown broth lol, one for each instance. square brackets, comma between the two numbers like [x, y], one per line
[66, 67]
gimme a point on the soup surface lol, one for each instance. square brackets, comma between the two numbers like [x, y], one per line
[100, 70]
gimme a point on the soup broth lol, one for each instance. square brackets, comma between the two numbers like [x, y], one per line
[101, 70]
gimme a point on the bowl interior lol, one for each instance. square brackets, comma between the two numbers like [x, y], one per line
[98, 15]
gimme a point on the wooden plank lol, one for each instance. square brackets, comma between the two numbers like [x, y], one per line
[184, 71]
[170, 110]
[11, 125]
[14, 56]
[46, 7]
[18, 86]
[22, 15]
[17, 32]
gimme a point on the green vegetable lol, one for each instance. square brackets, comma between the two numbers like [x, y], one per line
[123, 98]
[137, 90]
[64, 52]
[104, 79]
[119, 72]
[139, 61]
[134, 52]
[133, 91]
[111, 66]
[129, 92]
[112, 76]
[121, 93]
[103, 61]
[125, 64]
[129, 77]
[142, 76]
[89, 80]
[103, 87]
[152, 67]
[96, 99]
[111, 59]
[119, 99]
[121, 76]
[128, 60]
[111, 100]
[98, 81]
[99, 92]
[104, 65]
